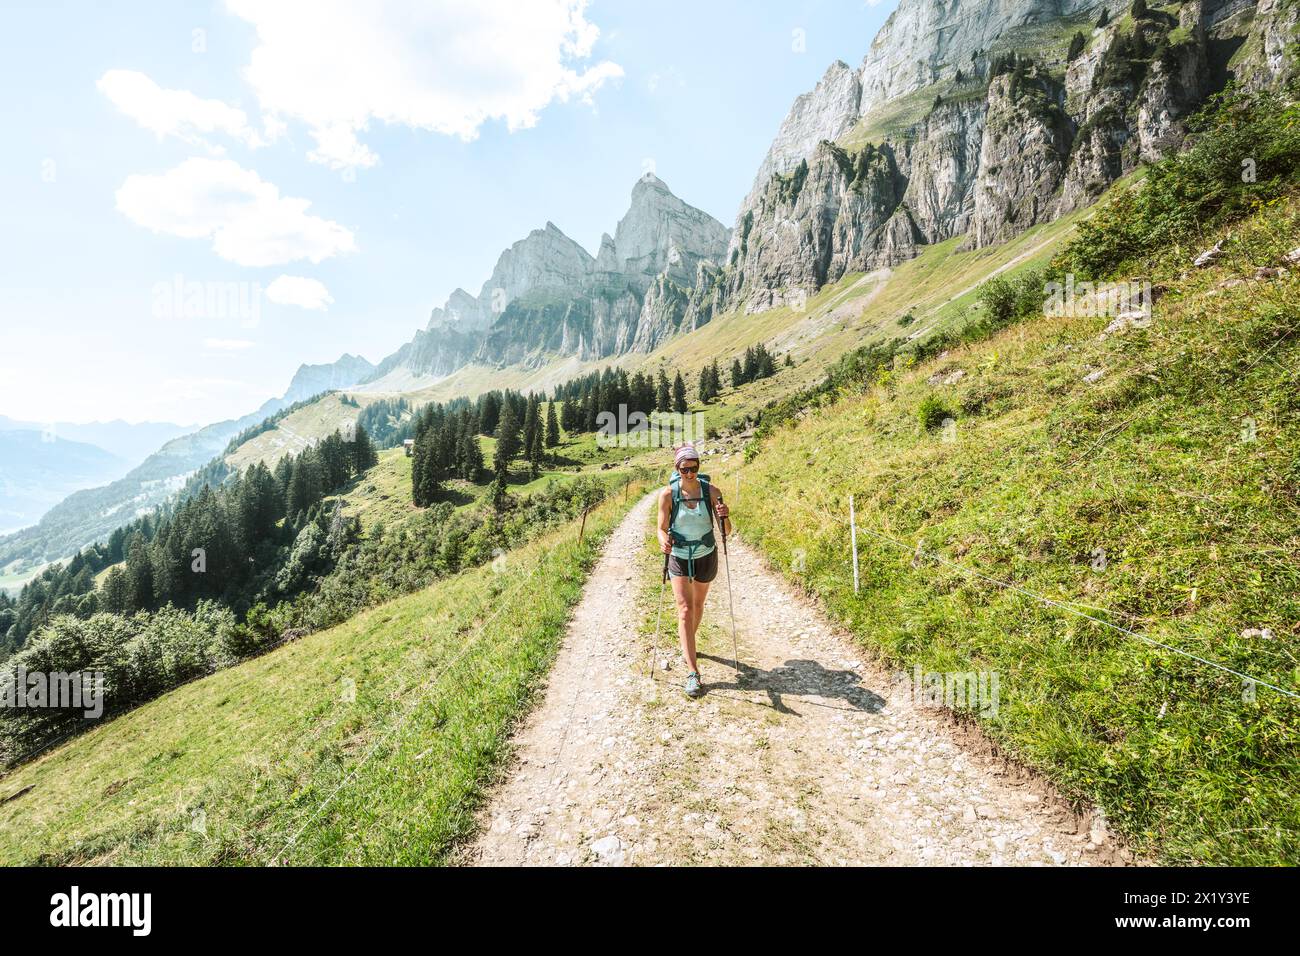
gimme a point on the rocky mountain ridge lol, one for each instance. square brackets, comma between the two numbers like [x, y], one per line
[548, 295]
[974, 118]
[984, 118]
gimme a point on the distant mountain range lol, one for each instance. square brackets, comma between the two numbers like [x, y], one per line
[547, 295]
[42, 463]
[75, 520]
[131, 443]
[38, 470]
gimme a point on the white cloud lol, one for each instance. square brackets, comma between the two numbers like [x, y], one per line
[337, 65]
[177, 113]
[302, 292]
[227, 345]
[248, 220]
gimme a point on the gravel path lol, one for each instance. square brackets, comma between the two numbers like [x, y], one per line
[811, 758]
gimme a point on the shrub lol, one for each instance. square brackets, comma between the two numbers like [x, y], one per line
[931, 412]
[1245, 150]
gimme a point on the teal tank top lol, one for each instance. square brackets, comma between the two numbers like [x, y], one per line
[692, 523]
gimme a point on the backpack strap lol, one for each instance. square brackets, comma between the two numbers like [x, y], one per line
[706, 492]
[675, 486]
[706, 497]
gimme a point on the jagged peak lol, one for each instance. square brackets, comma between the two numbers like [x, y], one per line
[648, 180]
[347, 358]
[834, 71]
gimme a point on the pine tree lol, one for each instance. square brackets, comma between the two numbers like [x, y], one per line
[139, 574]
[418, 458]
[710, 382]
[552, 426]
[535, 454]
[737, 374]
[1077, 43]
[507, 444]
[663, 396]
[532, 427]
[679, 394]
[643, 394]
[431, 477]
[115, 593]
[298, 497]
[489, 413]
[472, 457]
[363, 451]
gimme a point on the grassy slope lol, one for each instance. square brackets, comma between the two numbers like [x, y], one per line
[298, 429]
[858, 308]
[260, 751]
[1197, 525]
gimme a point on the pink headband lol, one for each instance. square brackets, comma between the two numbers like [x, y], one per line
[685, 453]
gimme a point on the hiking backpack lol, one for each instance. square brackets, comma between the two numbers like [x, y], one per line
[706, 496]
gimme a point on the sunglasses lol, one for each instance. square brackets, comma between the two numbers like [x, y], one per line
[688, 469]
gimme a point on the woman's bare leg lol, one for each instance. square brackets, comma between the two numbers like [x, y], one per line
[687, 619]
[701, 591]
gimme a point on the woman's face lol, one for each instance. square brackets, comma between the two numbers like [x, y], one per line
[689, 468]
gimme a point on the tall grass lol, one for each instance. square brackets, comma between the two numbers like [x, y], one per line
[369, 743]
[1163, 498]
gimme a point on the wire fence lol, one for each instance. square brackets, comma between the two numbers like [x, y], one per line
[919, 553]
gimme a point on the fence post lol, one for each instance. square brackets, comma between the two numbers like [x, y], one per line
[853, 541]
[582, 527]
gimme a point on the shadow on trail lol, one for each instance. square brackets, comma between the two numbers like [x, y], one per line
[800, 678]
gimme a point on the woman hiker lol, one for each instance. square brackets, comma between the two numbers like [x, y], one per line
[686, 536]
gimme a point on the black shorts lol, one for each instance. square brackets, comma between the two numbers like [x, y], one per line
[706, 566]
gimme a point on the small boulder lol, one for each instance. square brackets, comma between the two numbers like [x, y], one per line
[1260, 632]
[1209, 256]
[608, 850]
[1132, 319]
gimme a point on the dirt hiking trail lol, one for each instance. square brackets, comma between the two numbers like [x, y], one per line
[810, 759]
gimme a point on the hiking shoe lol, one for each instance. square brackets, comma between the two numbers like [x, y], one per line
[693, 688]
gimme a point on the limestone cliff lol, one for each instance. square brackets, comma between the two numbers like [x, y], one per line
[548, 296]
[983, 118]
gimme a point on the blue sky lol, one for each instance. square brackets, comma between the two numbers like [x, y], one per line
[217, 146]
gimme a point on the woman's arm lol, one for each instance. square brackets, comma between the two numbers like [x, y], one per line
[665, 519]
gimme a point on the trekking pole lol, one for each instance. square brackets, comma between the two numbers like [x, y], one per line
[654, 646]
[731, 605]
